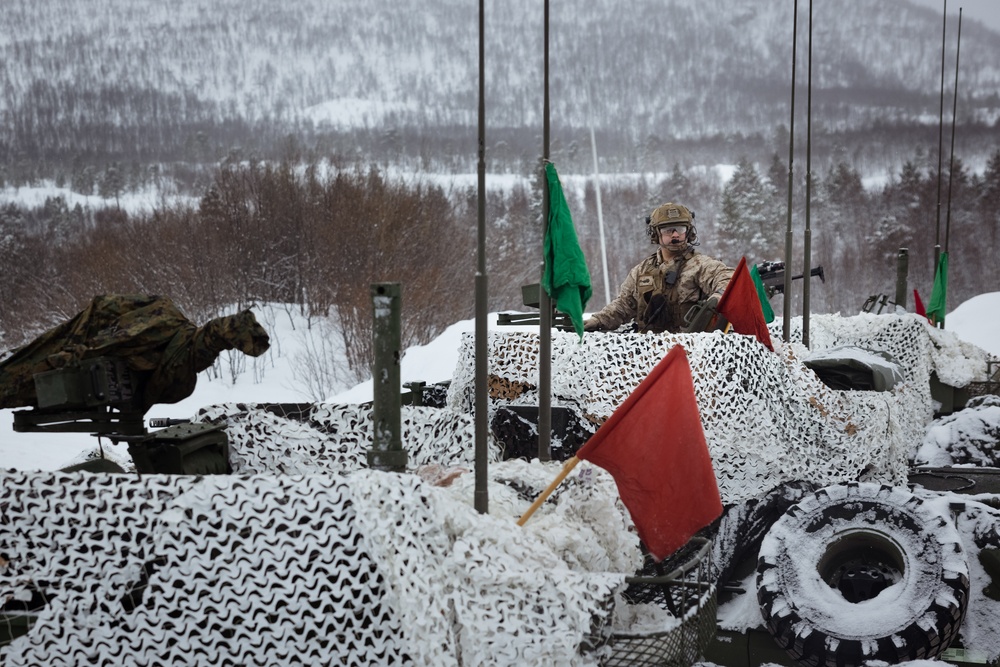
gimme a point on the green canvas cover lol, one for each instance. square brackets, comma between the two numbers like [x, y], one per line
[157, 341]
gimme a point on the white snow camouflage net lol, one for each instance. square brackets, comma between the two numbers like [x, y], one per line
[368, 568]
[304, 556]
[768, 419]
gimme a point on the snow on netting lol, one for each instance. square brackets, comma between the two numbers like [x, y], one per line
[302, 439]
[768, 419]
[365, 568]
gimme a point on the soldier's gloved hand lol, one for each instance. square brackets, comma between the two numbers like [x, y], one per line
[593, 324]
[713, 302]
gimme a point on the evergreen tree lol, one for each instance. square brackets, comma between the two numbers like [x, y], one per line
[777, 177]
[749, 223]
[845, 196]
[989, 198]
[112, 184]
[678, 186]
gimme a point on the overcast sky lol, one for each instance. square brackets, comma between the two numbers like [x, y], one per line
[987, 11]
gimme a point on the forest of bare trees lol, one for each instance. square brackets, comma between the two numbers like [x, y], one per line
[317, 237]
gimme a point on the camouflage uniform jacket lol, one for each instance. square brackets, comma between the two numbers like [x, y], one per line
[657, 294]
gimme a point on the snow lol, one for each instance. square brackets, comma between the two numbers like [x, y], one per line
[354, 112]
[276, 378]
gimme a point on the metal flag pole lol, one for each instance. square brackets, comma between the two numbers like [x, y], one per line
[786, 322]
[951, 165]
[544, 303]
[937, 226]
[954, 117]
[807, 236]
[481, 494]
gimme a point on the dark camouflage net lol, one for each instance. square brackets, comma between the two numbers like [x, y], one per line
[149, 332]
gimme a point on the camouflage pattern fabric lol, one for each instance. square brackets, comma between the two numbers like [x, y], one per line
[157, 341]
[657, 293]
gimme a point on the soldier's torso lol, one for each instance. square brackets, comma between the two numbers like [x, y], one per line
[665, 291]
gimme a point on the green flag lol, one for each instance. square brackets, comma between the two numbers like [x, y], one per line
[565, 277]
[765, 303]
[936, 308]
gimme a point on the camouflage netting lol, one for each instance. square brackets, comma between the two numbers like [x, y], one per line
[363, 568]
[768, 419]
[156, 340]
[325, 438]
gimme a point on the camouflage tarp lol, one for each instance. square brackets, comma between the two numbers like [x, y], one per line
[156, 340]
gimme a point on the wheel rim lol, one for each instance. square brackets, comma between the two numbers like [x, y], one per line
[860, 564]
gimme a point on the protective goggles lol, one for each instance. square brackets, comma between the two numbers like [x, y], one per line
[670, 228]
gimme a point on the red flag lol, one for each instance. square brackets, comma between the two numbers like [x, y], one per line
[918, 304]
[654, 447]
[741, 306]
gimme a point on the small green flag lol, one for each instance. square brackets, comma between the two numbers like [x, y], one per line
[765, 303]
[936, 308]
[565, 277]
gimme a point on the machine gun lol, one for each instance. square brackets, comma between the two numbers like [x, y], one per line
[772, 274]
[102, 370]
[103, 397]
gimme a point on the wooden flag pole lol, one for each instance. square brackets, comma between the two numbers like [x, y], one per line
[566, 469]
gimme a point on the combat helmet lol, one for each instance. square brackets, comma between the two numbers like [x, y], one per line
[673, 215]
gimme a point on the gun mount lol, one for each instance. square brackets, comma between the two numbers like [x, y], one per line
[103, 397]
[101, 371]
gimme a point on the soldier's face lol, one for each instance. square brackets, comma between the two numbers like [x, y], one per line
[672, 235]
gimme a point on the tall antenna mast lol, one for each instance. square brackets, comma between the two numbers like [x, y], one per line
[807, 249]
[787, 307]
[954, 116]
[937, 227]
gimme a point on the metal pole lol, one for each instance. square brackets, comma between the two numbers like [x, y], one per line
[786, 324]
[386, 452]
[600, 217]
[807, 237]
[951, 165]
[902, 270]
[937, 226]
[954, 116]
[544, 304]
[481, 496]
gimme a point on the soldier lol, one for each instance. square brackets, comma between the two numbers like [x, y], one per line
[660, 290]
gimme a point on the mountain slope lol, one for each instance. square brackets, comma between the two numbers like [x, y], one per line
[681, 68]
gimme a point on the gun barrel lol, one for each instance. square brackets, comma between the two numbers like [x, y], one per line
[776, 279]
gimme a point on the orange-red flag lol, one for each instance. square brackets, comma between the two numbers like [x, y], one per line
[740, 304]
[655, 449]
[919, 304]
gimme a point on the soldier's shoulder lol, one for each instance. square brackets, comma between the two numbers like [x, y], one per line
[702, 258]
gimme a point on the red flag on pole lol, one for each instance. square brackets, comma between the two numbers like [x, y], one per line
[740, 304]
[919, 304]
[655, 449]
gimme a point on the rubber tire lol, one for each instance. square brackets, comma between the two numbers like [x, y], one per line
[915, 618]
[205, 461]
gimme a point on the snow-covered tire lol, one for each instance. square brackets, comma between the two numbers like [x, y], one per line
[814, 555]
